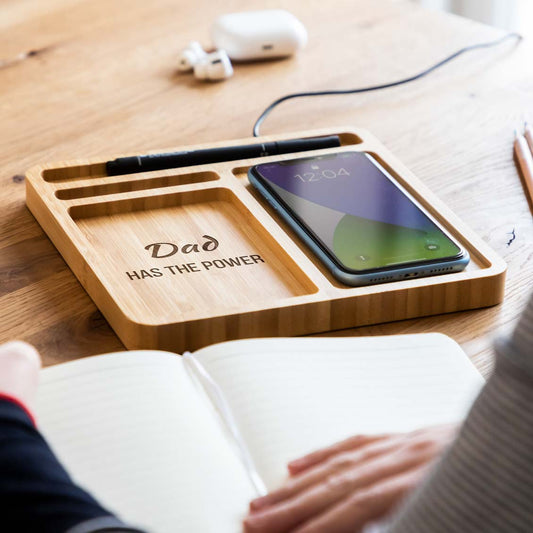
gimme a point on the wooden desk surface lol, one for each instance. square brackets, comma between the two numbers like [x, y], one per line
[81, 78]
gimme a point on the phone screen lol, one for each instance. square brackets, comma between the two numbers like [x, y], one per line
[356, 212]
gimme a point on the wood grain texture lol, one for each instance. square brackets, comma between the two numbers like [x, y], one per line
[102, 80]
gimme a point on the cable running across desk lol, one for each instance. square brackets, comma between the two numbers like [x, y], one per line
[425, 72]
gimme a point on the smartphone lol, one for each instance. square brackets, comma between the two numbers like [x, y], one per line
[357, 219]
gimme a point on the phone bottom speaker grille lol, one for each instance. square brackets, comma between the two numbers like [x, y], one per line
[447, 269]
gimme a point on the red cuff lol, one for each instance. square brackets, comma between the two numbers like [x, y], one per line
[18, 403]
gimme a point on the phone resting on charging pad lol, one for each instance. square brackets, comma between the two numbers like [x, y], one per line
[362, 225]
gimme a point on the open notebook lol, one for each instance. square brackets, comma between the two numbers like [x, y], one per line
[183, 443]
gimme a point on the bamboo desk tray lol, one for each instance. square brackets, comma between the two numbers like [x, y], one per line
[182, 258]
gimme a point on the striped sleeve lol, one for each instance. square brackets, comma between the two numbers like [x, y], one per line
[484, 483]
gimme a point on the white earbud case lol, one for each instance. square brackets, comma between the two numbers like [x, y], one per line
[259, 34]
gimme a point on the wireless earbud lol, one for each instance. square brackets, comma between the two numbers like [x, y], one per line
[244, 36]
[191, 56]
[213, 67]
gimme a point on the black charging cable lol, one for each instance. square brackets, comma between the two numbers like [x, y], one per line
[462, 51]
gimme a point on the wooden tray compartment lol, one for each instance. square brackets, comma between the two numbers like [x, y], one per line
[170, 236]
[143, 246]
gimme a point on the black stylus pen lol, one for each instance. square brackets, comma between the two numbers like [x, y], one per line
[145, 163]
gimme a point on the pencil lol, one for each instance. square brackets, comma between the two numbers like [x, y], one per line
[525, 160]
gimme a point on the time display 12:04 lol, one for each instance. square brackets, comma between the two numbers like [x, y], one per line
[318, 175]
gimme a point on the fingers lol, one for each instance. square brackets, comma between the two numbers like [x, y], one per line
[359, 508]
[19, 371]
[331, 490]
[344, 474]
[311, 459]
[20, 349]
[353, 443]
[376, 446]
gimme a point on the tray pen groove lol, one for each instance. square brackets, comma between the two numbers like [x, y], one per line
[127, 186]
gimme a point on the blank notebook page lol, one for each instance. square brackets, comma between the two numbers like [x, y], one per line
[133, 429]
[291, 396]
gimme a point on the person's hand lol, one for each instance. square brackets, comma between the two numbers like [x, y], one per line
[345, 486]
[19, 371]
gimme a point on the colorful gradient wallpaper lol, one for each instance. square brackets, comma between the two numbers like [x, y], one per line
[357, 212]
